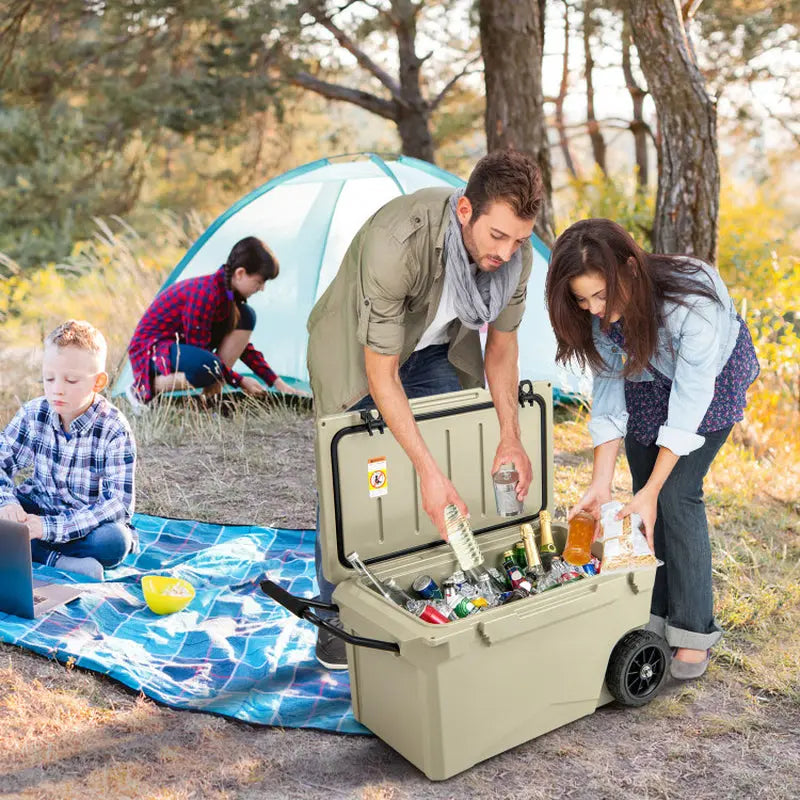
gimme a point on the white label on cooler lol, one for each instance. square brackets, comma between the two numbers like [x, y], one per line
[378, 481]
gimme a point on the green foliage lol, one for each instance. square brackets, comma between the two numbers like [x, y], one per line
[54, 176]
[757, 260]
[616, 197]
[90, 89]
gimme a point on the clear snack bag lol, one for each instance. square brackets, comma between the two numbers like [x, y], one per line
[624, 544]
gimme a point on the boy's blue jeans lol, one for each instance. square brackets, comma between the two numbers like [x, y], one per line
[682, 608]
[426, 372]
[108, 543]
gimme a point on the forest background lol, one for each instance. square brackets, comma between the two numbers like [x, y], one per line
[126, 127]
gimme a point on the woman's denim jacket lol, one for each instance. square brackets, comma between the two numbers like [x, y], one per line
[694, 343]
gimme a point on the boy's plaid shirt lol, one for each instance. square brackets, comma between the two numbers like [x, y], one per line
[81, 479]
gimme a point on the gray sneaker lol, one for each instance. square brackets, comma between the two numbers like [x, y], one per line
[330, 650]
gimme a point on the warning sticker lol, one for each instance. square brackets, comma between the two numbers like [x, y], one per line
[376, 472]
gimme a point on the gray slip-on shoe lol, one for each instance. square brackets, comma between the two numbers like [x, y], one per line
[686, 670]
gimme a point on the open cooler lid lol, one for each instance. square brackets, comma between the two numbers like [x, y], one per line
[369, 492]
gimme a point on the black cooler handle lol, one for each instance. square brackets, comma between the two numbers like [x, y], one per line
[301, 607]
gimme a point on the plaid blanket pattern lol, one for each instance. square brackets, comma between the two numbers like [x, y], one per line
[231, 651]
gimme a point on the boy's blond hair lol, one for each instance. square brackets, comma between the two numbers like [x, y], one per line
[80, 334]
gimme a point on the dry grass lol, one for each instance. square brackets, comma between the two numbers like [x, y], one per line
[227, 466]
[67, 733]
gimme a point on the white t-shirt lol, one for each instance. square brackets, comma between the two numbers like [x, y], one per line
[436, 332]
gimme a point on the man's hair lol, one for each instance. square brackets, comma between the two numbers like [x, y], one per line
[81, 334]
[508, 176]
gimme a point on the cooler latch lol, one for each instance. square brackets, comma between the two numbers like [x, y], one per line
[373, 420]
[526, 395]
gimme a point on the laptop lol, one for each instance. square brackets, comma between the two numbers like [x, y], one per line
[20, 594]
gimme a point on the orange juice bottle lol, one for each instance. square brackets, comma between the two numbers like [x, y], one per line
[578, 549]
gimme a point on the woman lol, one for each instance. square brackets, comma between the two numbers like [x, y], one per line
[672, 361]
[195, 330]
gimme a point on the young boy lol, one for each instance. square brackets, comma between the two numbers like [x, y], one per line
[79, 501]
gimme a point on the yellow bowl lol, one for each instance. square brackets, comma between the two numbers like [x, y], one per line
[166, 595]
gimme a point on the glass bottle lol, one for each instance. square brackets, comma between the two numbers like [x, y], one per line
[535, 569]
[547, 548]
[389, 589]
[578, 549]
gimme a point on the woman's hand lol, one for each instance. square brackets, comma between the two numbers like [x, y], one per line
[645, 504]
[280, 385]
[252, 387]
[594, 497]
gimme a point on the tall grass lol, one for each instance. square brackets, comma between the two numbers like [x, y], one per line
[108, 280]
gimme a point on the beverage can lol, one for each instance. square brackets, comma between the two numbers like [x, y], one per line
[426, 587]
[431, 614]
[505, 491]
[465, 607]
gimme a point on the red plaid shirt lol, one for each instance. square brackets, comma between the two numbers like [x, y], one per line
[186, 312]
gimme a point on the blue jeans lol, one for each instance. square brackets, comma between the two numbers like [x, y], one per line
[109, 543]
[202, 367]
[426, 372]
[682, 608]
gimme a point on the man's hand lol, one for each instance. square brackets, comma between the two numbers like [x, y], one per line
[438, 492]
[645, 504]
[511, 451]
[34, 524]
[13, 512]
[252, 387]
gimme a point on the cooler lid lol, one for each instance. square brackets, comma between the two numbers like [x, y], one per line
[369, 492]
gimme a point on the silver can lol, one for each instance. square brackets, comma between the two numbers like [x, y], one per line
[505, 492]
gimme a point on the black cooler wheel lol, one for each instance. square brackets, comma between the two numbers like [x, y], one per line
[637, 667]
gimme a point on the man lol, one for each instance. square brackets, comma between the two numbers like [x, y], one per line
[401, 319]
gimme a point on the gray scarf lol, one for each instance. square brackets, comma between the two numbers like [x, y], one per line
[478, 298]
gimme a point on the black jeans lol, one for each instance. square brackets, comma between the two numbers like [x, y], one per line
[682, 608]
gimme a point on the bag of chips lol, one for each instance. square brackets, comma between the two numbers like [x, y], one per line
[624, 544]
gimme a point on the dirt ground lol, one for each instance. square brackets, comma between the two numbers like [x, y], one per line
[68, 733]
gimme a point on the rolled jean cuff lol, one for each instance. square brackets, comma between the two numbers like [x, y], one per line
[657, 625]
[677, 637]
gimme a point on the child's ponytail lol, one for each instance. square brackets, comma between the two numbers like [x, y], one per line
[254, 257]
[234, 315]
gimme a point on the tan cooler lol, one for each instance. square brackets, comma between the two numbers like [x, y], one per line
[448, 696]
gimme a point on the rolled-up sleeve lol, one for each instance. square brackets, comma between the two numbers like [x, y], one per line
[386, 273]
[695, 375]
[609, 418]
[510, 317]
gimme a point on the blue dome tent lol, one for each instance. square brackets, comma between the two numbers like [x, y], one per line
[308, 216]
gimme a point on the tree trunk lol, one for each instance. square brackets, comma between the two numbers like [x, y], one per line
[596, 137]
[405, 106]
[687, 203]
[639, 128]
[413, 111]
[511, 43]
[563, 90]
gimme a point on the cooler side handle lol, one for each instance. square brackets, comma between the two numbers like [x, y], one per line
[301, 607]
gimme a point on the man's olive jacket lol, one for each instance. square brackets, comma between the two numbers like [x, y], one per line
[386, 294]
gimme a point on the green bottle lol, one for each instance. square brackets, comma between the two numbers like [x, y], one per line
[547, 547]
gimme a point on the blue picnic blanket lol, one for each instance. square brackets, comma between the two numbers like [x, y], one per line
[231, 651]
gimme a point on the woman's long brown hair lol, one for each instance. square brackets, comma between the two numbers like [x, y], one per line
[255, 257]
[636, 281]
